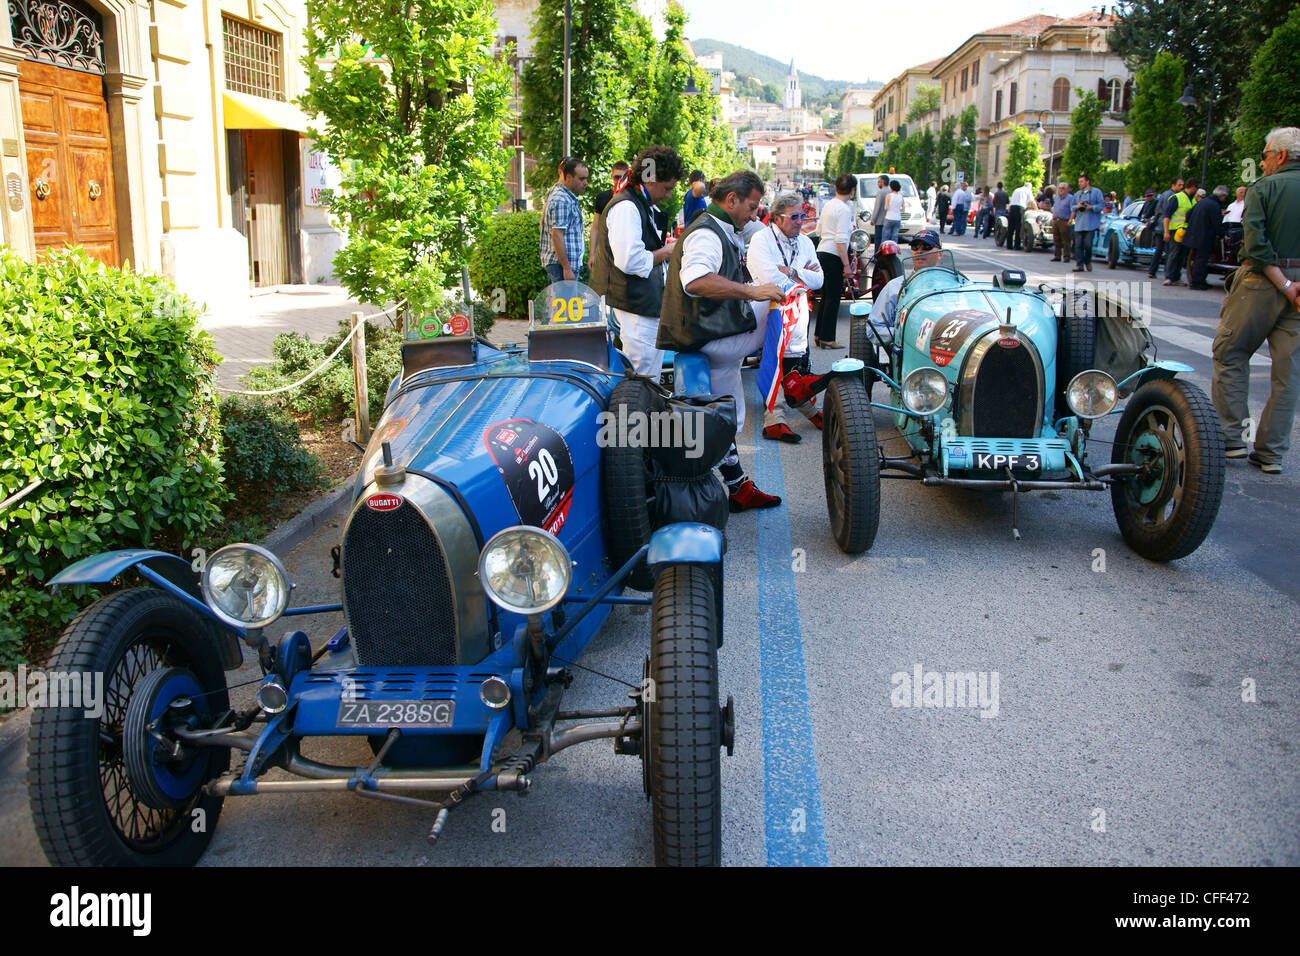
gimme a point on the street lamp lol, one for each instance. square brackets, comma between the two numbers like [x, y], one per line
[1189, 99]
[568, 16]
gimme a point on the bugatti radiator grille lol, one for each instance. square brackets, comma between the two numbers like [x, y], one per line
[397, 591]
[1006, 402]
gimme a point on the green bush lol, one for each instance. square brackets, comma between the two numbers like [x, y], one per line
[1112, 178]
[263, 453]
[508, 257]
[106, 394]
[330, 396]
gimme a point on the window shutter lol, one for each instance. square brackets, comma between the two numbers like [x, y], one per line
[1011, 109]
[1128, 96]
[1101, 94]
[997, 106]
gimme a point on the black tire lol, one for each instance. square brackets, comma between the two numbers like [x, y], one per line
[625, 481]
[999, 233]
[1169, 516]
[1027, 237]
[83, 806]
[1112, 251]
[851, 465]
[682, 748]
[1076, 345]
[861, 346]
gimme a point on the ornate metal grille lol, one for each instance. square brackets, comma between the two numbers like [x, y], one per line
[254, 59]
[63, 32]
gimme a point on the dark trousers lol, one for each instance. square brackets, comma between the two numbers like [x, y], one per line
[828, 310]
[983, 221]
[1199, 268]
[1177, 259]
[943, 220]
[1083, 247]
[1158, 254]
[878, 236]
[1015, 215]
[1061, 239]
[959, 220]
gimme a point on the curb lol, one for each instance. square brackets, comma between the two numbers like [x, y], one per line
[306, 522]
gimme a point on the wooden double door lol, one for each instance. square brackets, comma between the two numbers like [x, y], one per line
[266, 190]
[69, 160]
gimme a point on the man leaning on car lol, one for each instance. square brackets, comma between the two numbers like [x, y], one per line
[1263, 305]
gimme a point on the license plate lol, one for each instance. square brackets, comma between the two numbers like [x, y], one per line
[1029, 462]
[380, 714]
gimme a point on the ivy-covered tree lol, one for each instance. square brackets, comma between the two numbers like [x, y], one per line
[609, 74]
[945, 149]
[1024, 159]
[925, 100]
[925, 154]
[1157, 123]
[966, 158]
[1270, 94]
[1083, 149]
[415, 118]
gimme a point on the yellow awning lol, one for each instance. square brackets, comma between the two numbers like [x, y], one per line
[243, 111]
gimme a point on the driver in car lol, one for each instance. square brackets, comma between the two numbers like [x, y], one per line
[926, 251]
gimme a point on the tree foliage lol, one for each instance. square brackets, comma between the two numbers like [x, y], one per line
[415, 116]
[966, 154]
[1082, 154]
[945, 148]
[1024, 159]
[926, 99]
[1270, 94]
[1157, 123]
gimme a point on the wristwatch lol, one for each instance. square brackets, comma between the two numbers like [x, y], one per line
[1288, 285]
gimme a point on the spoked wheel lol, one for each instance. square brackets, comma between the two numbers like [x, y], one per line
[684, 726]
[1171, 428]
[1112, 251]
[851, 465]
[85, 805]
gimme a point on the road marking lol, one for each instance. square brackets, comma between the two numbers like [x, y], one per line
[792, 795]
[1201, 344]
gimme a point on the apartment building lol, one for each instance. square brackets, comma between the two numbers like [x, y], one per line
[891, 102]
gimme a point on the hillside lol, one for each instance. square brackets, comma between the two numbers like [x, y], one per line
[741, 60]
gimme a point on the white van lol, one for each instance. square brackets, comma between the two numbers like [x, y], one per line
[913, 204]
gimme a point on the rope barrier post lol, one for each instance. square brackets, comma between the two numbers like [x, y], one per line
[362, 392]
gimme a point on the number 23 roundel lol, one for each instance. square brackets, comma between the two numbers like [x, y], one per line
[535, 464]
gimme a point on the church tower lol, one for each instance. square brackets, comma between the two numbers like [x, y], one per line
[792, 100]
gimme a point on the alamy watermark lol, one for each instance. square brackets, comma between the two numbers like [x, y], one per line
[83, 690]
[922, 688]
[631, 428]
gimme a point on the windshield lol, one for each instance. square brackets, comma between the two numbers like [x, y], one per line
[1134, 209]
[868, 187]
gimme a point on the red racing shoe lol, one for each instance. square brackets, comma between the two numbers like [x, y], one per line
[817, 420]
[781, 432]
[799, 388]
[748, 496]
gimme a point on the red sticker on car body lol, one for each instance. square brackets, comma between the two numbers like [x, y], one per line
[535, 463]
[459, 324]
[384, 502]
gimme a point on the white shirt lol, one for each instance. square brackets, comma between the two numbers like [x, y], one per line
[702, 252]
[894, 211]
[1235, 209]
[769, 250]
[1024, 196]
[626, 242]
[834, 226]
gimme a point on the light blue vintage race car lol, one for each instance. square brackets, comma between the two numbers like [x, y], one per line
[995, 386]
[1125, 238]
[496, 521]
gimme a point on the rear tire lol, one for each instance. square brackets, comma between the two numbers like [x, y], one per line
[682, 750]
[84, 808]
[625, 479]
[1169, 515]
[851, 465]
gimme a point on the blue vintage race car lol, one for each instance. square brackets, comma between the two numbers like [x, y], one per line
[995, 386]
[1125, 238]
[495, 522]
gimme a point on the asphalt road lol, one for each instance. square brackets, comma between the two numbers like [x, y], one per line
[1118, 733]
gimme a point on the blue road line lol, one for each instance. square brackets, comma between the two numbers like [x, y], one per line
[792, 796]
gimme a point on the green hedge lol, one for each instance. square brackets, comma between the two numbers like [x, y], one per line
[106, 393]
[508, 257]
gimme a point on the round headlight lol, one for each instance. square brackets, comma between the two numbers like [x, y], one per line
[245, 585]
[525, 570]
[925, 390]
[1092, 394]
[858, 241]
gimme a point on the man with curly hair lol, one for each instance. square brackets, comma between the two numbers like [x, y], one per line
[629, 252]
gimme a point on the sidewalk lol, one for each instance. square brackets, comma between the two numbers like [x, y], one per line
[244, 337]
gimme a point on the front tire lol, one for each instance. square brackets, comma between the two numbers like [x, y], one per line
[1172, 425]
[625, 477]
[1112, 251]
[682, 745]
[85, 809]
[851, 465]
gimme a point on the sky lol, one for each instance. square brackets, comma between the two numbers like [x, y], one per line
[877, 40]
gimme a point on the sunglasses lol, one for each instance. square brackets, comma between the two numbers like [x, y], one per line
[921, 247]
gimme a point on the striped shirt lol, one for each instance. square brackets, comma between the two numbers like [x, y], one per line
[561, 211]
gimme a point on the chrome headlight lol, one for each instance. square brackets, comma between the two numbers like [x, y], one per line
[1092, 394]
[245, 585]
[858, 241]
[925, 390]
[525, 570]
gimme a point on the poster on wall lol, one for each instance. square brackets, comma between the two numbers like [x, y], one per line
[321, 176]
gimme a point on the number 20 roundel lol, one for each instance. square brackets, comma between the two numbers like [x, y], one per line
[535, 464]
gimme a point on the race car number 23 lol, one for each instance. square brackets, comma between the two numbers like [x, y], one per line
[537, 468]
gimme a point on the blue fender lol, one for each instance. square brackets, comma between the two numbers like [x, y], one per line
[684, 543]
[691, 374]
[1164, 368]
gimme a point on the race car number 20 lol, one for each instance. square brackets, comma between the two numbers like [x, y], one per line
[537, 468]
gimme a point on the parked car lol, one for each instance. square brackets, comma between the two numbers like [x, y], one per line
[1125, 238]
[1036, 229]
[490, 530]
[996, 387]
[913, 220]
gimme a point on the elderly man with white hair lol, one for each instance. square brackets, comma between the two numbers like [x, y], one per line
[777, 254]
[1264, 306]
